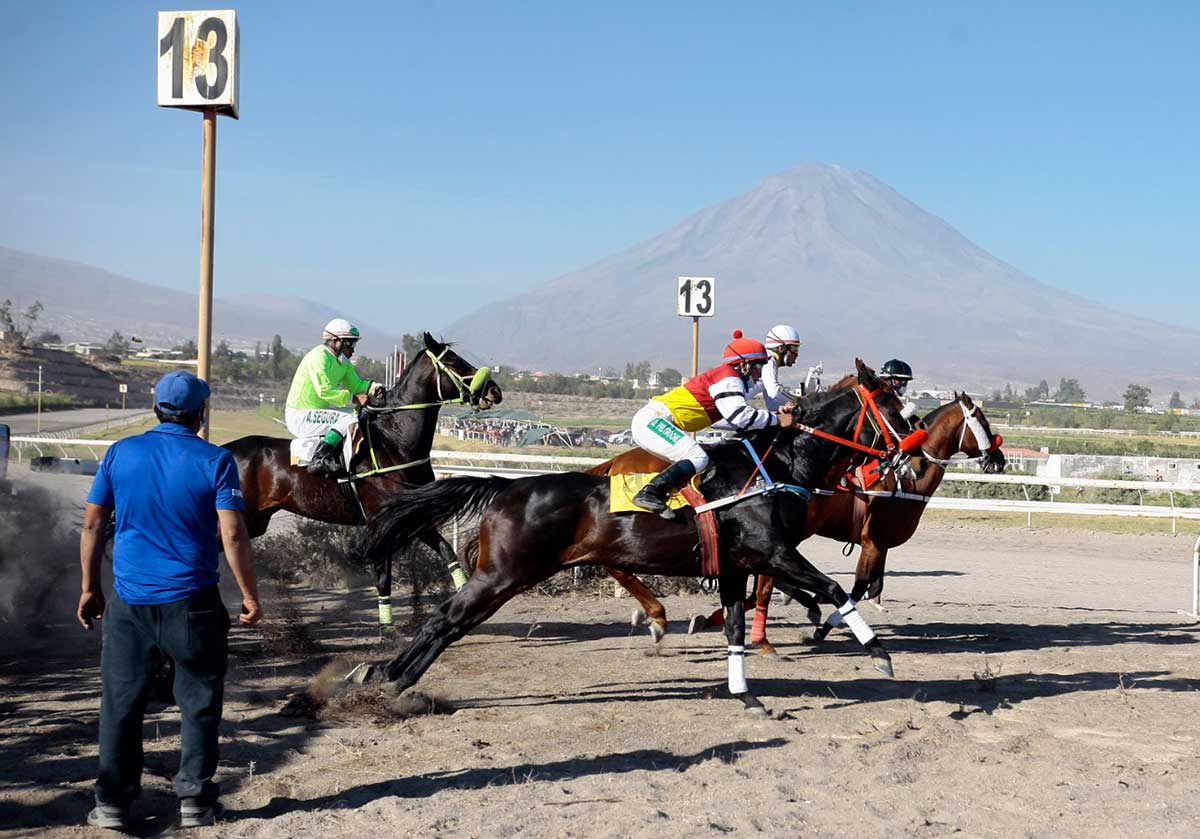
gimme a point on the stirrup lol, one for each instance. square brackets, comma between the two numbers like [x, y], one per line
[652, 503]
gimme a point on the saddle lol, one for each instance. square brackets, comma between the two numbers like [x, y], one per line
[623, 486]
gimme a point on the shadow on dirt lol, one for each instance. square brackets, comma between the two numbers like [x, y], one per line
[420, 786]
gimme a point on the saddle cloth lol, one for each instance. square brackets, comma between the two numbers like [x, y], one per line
[622, 488]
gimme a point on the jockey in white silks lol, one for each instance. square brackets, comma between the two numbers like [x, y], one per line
[664, 425]
[318, 403]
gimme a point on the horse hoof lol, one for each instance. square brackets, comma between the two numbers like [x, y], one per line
[814, 616]
[883, 663]
[697, 623]
[657, 631]
[638, 618]
[752, 706]
[387, 630]
[821, 633]
[765, 648]
[787, 598]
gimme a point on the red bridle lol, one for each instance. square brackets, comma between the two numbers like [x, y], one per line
[871, 409]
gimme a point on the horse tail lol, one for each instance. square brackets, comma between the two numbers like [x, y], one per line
[412, 513]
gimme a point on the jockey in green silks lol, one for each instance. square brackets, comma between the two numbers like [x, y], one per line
[318, 403]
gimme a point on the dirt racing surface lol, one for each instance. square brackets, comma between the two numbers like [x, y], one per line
[1045, 686]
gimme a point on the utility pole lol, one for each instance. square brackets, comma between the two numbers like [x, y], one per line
[39, 408]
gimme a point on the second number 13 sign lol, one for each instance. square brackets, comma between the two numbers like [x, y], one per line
[198, 61]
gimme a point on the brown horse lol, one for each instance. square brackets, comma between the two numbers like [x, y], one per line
[878, 521]
[531, 528]
[397, 435]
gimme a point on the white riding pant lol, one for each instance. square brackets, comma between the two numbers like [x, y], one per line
[315, 422]
[654, 430]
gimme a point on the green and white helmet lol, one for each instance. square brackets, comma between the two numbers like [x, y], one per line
[341, 328]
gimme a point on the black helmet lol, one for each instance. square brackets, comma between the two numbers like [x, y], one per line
[895, 369]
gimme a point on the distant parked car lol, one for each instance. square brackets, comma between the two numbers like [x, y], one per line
[621, 438]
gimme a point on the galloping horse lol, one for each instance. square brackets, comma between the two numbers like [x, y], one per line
[397, 432]
[531, 528]
[884, 517]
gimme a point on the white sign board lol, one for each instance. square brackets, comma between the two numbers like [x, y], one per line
[697, 297]
[123, 388]
[198, 61]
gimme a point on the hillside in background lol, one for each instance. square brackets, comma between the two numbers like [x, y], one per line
[860, 270]
[85, 303]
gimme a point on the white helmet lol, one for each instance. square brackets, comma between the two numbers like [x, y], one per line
[782, 336]
[341, 328]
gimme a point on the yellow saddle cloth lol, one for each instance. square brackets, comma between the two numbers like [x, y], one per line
[622, 488]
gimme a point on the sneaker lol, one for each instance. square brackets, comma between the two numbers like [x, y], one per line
[107, 815]
[194, 814]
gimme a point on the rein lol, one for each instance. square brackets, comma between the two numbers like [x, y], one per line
[870, 412]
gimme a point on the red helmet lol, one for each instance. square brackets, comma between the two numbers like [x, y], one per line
[743, 349]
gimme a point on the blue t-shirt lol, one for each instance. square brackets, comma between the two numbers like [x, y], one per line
[166, 486]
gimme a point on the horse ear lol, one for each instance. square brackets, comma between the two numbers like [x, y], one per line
[866, 376]
[430, 343]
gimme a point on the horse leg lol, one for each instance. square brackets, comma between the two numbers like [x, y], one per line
[383, 585]
[489, 588]
[868, 576]
[795, 570]
[650, 611]
[763, 586]
[733, 598]
[449, 559]
[870, 564]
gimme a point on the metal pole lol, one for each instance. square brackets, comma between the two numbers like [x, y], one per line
[695, 347]
[208, 187]
[39, 410]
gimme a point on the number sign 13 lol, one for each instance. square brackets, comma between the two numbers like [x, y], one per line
[198, 61]
[697, 297]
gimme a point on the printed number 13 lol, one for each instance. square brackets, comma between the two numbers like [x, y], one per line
[173, 42]
[703, 294]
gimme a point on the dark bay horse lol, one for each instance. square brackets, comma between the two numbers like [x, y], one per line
[397, 433]
[881, 521]
[531, 528]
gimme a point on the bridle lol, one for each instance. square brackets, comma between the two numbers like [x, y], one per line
[897, 447]
[987, 444]
[869, 412]
[468, 392]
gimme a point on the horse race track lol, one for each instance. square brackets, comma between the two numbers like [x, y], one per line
[1046, 687]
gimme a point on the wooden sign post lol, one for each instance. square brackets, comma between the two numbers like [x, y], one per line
[198, 71]
[696, 298]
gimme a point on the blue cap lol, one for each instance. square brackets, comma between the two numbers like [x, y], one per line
[180, 392]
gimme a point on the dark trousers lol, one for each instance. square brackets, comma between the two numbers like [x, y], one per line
[194, 633]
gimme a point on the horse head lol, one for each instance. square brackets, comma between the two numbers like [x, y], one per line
[862, 410]
[438, 375]
[981, 443]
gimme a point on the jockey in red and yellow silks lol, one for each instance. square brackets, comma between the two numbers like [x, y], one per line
[662, 426]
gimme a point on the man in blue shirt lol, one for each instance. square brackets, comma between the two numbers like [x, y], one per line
[173, 494]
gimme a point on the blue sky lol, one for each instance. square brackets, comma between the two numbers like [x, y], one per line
[411, 161]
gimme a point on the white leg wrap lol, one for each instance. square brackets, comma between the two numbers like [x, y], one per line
[855, 621]
[737, 670]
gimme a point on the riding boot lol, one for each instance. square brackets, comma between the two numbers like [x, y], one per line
[653, 496]
[326, 460]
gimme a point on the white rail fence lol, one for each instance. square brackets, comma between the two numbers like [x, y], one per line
[524, 465]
